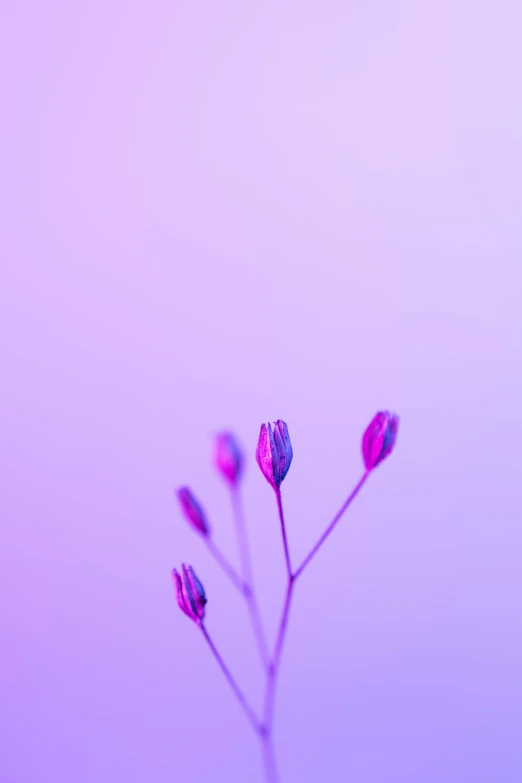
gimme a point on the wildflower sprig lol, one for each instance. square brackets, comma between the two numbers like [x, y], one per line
[274, 456]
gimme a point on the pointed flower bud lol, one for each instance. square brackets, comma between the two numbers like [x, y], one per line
[190, 593]
[379, 439]
[193, 511]
[228, 457]
[274, 452]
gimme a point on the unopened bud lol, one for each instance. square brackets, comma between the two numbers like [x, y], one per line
[379, 439]
[190, 593]
[274, 452]
[228, 457]
[193, 511]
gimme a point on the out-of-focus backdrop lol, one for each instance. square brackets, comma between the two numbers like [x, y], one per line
[215, 214]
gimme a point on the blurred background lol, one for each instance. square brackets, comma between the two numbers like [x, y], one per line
[218, 214]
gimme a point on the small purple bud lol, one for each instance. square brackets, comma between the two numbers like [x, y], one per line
[228, 457]
[274, 452]
[193, 511]
[379, 439]
[190, 593]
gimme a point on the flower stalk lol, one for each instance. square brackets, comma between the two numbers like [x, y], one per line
[247, 574]
[274, 456]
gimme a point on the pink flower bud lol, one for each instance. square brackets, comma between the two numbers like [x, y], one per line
[190, 593]
[193, 511]
[228, 457]
[274, 452]
[379, 439]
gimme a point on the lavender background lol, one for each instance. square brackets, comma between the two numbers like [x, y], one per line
[213, 214]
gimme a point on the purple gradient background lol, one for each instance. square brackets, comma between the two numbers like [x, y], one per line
[212, 214]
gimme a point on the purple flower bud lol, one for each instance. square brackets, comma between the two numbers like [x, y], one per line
[274, 452]
[228, 457]
[379, 439]
[193, 511]
[190, 593]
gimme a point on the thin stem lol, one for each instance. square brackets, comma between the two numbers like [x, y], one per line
[268, 710]
[332, 524]
[246, 572]
[273, 671]
[269, 759]
[242, 538]
[229, 569]
[283, 532]
[264, 728]
[258, 727]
